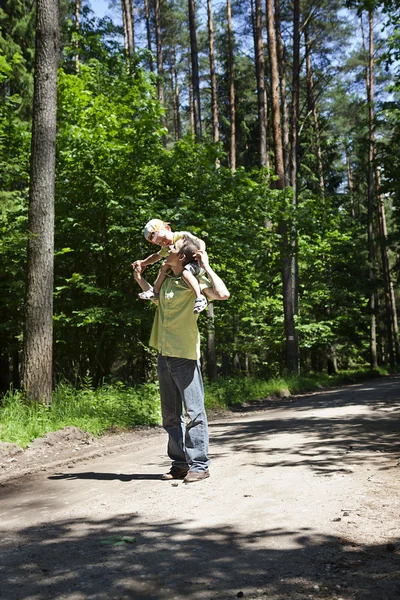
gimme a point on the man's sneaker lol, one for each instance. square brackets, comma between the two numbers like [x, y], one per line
[194, 476]
[175, 473]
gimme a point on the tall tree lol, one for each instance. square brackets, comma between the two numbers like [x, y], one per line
[148, 32]
[231, 76]
[213, 76]
[195, 69]
[370, 212]
[284, 228]
[77, 27]
[128, 23]
[38, 342]
[261, 89]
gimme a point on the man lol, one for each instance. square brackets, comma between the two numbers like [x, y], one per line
[176, 338]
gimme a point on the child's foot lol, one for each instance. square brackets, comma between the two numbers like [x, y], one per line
[200, 304]
[147, 295]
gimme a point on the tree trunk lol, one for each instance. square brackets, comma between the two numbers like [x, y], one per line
[212, 371]
[282, 79]
[213, 77]
[393, 327]
[148, 33]
[77, 28]
[38, 335]
[176, 100]
[286, 247]
[350, 185]
[195, 68]
[160, 61]
[231, 74]
[370, 212]
[129, 36]
[261, 90]
[191, 103]
[313, 109]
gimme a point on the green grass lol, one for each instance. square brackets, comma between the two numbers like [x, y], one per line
[94, 411]
[121, 407]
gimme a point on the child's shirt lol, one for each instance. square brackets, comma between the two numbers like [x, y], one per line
[176, 235]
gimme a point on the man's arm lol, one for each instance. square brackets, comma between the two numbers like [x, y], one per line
[218, 291]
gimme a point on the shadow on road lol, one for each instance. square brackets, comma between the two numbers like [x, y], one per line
[341, 427]
[172, 560]
[106, 476]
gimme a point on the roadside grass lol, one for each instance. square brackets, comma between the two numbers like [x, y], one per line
[122, 407]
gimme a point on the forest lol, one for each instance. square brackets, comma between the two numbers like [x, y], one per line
[270, 130]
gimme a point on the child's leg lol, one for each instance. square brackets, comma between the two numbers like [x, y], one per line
[200, 303]
[191, 281]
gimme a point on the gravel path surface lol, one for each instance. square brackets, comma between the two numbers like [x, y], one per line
[302, 503]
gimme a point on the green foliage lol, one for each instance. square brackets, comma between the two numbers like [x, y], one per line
[94, 411]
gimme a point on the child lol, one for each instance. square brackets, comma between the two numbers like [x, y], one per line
[158, 232]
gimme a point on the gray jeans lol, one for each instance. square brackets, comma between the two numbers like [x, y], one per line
[181, 383]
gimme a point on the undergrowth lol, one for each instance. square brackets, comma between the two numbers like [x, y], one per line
[121, 407]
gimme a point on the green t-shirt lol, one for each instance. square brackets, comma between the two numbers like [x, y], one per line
[177, 235]
[175, 332]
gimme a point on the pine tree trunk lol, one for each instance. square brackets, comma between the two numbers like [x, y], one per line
[286, 248]
[175, 87]
[212, 371]
[393, 327]
[312, 107]
[231, 75]
[350, 185]
[191, 103]
[148, 33]
[129, 37]
[282, 79]
[160, 60]
[213, 77]
[195, 69]
[38, 335]
[261, 91]
[370, 212]
[77, 28]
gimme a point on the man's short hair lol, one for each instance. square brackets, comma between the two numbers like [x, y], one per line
[188, 249]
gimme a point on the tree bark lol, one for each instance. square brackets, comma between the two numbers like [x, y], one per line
[212, 371]
[312, 107]
[390, 299]
[213, 77]
[195, 69]
[231, 75]
[129, 35]
[148, 33]
[261, 90]
[282, 80]
[77, 28]
[160, 60]
[370, 212]
[176, 100]
[286, 249]
[38, 334]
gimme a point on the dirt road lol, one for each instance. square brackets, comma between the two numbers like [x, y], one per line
[302, 503]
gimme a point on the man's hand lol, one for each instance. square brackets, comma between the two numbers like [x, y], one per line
[138, 265]
[202, 257]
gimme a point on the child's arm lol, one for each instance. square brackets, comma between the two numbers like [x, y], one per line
[142, 282]
[150, 260]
